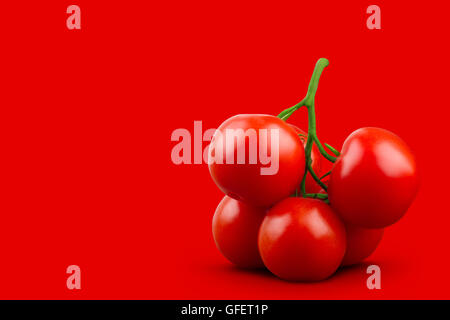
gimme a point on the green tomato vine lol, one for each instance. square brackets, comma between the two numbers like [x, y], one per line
[312, 138]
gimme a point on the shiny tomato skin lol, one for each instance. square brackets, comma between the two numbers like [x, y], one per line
[374, 180]
[235, 229]
[302, 239]
[311, 185]
[361, 243]
[245, 182]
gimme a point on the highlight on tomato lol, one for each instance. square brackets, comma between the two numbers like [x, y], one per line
[374, 180]
[256, 158]
[302, 240]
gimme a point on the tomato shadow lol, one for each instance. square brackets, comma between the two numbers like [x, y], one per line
[342, 274]
[235, 270]
[355, 270]
[354, 273]
[358, 267]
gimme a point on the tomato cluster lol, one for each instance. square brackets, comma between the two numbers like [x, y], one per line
[302, 223]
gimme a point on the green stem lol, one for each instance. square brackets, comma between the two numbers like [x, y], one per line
[312, 135]
[326, 174]
[316, 196]
[312, 138]
[285, 114]
[321, 64]
[313, 174]
[336, 153]
[323, 151]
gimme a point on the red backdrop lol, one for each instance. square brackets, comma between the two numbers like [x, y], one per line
[86, 116]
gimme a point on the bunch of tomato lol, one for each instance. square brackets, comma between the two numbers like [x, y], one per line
[302, 223]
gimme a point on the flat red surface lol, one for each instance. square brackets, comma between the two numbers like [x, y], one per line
[86, 117]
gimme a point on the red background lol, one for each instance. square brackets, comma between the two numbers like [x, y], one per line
[86, 117]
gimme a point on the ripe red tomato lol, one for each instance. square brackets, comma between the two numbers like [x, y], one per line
[374, 180]
[302, 239]
[311, 185]
[259, 184]
[361, 243]
[235, 229]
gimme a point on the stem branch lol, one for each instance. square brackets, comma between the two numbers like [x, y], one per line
[308, 102]
[323, 151]
[336, 153]
[313, 174]
[316, 196]
[326, 174]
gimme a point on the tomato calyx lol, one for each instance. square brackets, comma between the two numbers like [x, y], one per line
[312, 138]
